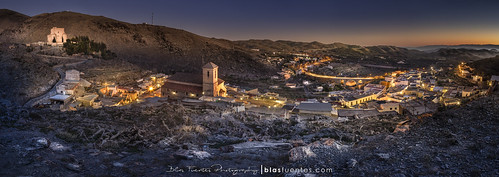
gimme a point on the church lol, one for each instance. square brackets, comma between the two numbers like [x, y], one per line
[182, 85]
[57, 36]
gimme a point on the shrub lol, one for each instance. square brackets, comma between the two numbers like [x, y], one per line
[83, 45]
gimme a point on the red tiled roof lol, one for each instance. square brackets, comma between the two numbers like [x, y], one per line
[183, 88]
[187, 77]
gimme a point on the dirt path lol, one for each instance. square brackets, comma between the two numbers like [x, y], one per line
[62, 75]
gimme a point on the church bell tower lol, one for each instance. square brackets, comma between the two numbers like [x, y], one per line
[210, 79]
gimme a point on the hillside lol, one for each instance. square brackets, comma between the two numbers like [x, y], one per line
[340, 49]
[23, 75]
[467, 55]
[354, 53]
[433, 48]
[381, 54]
[169, 50]
[153, 47]
[487, 66]
[288, 46]
[9, 18]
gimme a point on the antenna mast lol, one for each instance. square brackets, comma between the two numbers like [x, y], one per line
[152, 19]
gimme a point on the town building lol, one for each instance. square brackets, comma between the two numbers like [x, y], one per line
[195, 85]
[315, 108]
[351, 83]
[88, 100]
[57, 36]
[477, 78]
[72, 75]
[401, 81]
[353, 100]
[373, 88]
[60, 99]
[414, 91]
[73, 84]
[357, 113]
[68, 88]
[418, 107]
[389, 106]
[467, 91]
[451, 101]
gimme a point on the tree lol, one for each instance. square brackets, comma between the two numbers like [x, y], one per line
[82, 44]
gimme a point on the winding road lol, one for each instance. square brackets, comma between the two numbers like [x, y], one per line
[62, 75]
[337, 77]
[304, 67]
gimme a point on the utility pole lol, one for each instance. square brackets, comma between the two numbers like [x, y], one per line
[203, 51]
[152, 19]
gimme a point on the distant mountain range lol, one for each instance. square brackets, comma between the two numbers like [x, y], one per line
[158, 48]
[165, 49]
[380, 54]
[433, 48]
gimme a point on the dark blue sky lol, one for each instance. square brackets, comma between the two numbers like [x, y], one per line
[363, 22]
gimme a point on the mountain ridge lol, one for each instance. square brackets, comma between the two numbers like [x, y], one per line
[433, 48]
[162, 48]
[170, 50]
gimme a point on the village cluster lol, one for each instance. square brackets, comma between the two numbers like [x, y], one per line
[416, 92]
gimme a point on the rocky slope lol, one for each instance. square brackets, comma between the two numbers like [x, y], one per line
[148, 139]
[389, 55]
[466, 55]
[461, 141]
[486, 67]
[23, 75]
[152, 47]
[339, 49]
[9, 19]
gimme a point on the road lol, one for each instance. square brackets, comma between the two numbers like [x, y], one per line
[337, 77]
[62, 75]
[305, 66]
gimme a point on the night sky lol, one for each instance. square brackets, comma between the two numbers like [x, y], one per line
[362, 22]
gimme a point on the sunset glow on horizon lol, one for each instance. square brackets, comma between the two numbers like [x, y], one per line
[390, 22]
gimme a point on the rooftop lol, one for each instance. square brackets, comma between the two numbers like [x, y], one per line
[187, 77]
[60, 97]
[468, 89]
[210, 65]
[354, 97]
[321, 107]
[358, 112]
[89, 98]
[184, 88]
[70, 85]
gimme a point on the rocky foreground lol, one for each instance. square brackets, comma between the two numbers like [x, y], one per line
[167, 139]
